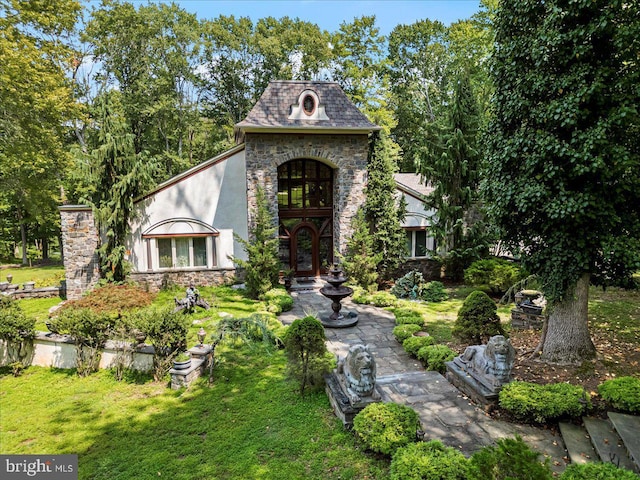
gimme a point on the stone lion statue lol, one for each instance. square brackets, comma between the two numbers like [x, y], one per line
[359, 369]
[491, 362]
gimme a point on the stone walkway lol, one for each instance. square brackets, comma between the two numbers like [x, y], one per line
[445, 413]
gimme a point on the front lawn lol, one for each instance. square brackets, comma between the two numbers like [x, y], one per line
[250, 424]
[44, 276]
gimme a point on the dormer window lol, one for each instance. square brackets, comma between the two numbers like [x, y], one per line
[309, 105]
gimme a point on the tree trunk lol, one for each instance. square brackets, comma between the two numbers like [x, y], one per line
[23, 238]
[568, 340]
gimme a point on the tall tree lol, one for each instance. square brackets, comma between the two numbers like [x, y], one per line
[563, 169]
[36, 102]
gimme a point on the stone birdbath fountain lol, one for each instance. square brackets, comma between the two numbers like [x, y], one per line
[336, 292]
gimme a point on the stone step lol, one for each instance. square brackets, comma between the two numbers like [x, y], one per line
[607, 442]
[578, 443]
[628, 427]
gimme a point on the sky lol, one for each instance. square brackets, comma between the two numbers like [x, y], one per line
[329, 14]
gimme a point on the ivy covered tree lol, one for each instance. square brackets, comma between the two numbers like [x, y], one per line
[382, 210]
[563, 157]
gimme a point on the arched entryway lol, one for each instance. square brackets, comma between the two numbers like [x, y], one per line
[305, 212]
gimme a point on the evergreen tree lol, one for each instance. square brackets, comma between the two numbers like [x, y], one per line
[262, 266]
[382, 210]
[361, 259]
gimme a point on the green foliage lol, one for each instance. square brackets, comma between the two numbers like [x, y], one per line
[426, 460]
[112, 298]
[435, 356]
[510, 458]
[413, 286]
[90, 330]
[544, 403]
[166, 331]
[305, 347]
[402, 332]
[262, 266]
[381, 207]
[623, 393]
[498, 274]
[412, 345]
[562, 157]
[361, 296]
[361, 260]
[14, 324]
[405, 316]
[383, 299]
[385, 427]
[596, 471]
[278, 300]
[477, 319]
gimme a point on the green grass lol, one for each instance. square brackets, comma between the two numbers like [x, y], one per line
[616, 311]
[38, 308]
[250, 424]
[46, 276]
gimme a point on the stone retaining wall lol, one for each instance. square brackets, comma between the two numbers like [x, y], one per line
[156, 281]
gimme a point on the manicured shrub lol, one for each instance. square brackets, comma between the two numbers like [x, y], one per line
[383, 299]
[405, 316]
[402, 332]
[385, 427]
[596, 471]
[278, 300]
[112, 298]
[477, 320]
[304, 344]
[544, 403]
[412, 345]
[428, 460]
[509, 458]
[622, 393]
[413, 286]
[495, 273]
[435, 356]
[361, 296]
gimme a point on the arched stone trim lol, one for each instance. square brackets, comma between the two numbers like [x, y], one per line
[179, 226]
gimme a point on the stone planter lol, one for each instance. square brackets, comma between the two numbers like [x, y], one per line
[29, 285]
[181, 364]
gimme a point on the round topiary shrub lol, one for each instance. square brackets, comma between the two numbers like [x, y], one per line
[412, 345]
[509, 458]
[385, 427]
[402, 332]
[597, 471]
[477, 319]
[435, 356]
[622, 393]
[424, 460]
[544, 403]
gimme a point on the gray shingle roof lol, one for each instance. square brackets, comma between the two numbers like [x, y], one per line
[412, 183]
[274, 107]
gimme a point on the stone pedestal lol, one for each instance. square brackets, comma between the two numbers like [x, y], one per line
[526, 321]
[200, 358]
[473, 389]
[342, 406]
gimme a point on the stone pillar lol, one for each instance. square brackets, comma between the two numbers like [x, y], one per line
[79, 243]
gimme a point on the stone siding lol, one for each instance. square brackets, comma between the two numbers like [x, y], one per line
[430, 269]
[156, 281]
[80, 241]
[347, 154]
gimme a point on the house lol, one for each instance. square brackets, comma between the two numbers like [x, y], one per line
[306, 145]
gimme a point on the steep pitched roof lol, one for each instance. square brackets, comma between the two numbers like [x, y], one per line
[279, 107]
[412, 184]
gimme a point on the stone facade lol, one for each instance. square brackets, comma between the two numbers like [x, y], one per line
[431, 269]
[155, 281]
[80, 241]
[345, 153]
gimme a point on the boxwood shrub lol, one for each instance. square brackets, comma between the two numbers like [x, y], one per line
[597, 471]
[402, 332]
[435, 356]
[383, 299]
[412, 345]
[278, 300]
[385, 427]
[405, 315]
[425, 460]
[622, 393]
[543, 403]
[509, 458]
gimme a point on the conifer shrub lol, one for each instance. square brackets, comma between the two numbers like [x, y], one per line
[278, 300]
[623, 393]
[383, 299]
[495, 273]
[385, 427]
[509, 458]
[16, 329]
[412, 345]
[543, 403]
[405, 316]
[414, 287]
[112, 297]
[435, 356]
[361, 296]
[596, 471]
[428, 460]
[402, 332]
[477, 320]
[360, 262]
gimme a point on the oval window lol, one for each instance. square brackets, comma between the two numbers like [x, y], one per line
[309, 104]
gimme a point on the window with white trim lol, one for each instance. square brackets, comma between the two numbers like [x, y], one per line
[419, 243]
[184, 252]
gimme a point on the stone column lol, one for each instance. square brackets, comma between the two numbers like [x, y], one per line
[79, 243]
